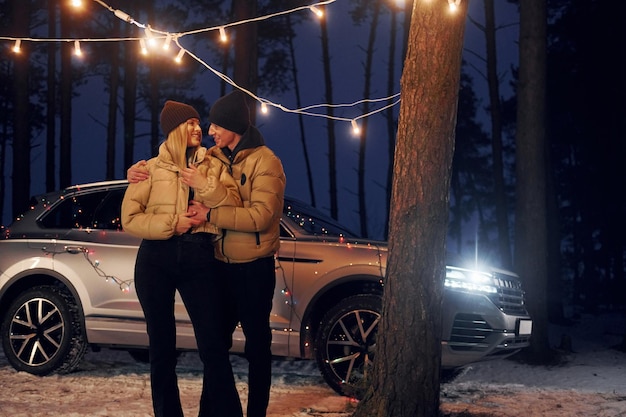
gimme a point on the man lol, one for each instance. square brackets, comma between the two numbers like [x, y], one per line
[250, 235]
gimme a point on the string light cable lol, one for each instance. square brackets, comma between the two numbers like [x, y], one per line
[168, 37]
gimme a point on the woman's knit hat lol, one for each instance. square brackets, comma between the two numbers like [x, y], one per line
[231, 112]
[174, 114]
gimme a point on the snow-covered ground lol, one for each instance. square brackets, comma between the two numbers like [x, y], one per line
[591, 382]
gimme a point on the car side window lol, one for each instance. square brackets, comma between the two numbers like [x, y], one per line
[99, 210]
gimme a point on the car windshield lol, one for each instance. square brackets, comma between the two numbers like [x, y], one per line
[312, 221]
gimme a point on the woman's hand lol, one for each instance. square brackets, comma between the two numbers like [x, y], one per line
[193, 178]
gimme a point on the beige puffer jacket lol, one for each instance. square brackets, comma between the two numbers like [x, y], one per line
[150, 208]
[252, 231]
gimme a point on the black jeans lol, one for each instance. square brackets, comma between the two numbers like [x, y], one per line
[185, 264]
[252, 288]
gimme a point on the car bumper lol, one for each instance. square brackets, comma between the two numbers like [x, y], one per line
[476, 329]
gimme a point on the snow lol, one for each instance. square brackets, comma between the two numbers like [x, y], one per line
[590, 381]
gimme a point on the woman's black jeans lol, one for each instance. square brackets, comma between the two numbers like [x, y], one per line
[185, 263]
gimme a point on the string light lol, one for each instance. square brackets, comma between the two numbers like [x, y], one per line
[454, 5]
[18, 46]
[143, 47]
[317, 11]
[77, 3]
[168, 40]
[77, 50]
[150, 38]
[179, 57]
[355, 127]
[223, 36]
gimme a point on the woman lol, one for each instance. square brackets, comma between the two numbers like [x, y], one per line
[176, 253]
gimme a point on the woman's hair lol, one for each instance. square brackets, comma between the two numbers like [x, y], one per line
[176, 144]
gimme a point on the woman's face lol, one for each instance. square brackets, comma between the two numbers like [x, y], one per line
[194, 133]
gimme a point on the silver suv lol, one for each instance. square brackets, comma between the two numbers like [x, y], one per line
[66, 284]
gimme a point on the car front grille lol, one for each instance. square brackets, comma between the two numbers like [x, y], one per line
[510, 296]
[469, 332]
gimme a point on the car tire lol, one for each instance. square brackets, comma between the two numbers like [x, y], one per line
[42, 332]
[345, 343]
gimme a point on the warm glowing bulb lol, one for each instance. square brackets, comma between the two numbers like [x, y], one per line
[143, 46]
[168, 40]
[77, 50]
[179, 57]
[355, 127]
[454, 4]
[18, 46]
[77, 3]
[223, 36]
[149, 36]
[319, 13]
[264, 108]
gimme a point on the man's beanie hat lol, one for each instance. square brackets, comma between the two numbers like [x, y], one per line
[231, 112]
[175, 114]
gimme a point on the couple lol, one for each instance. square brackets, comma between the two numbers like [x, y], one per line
[209, 220]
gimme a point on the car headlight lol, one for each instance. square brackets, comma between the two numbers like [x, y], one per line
[467, 280]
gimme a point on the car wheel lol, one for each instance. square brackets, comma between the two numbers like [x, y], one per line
[42, 332]
[345, 343]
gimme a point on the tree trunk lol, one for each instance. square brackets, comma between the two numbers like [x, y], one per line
[531, 241]
[65, 140]
[330, 126]
[391, 120]
[369, 57]
[21, 126]
[130, 94]
[296, 88]
[114, 81]
[245, 70]
[405, 379]
[51, 99]
[495, 111]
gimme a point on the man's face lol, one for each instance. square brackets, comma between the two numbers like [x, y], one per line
[223, 137]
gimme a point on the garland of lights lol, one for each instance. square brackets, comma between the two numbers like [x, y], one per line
[152, 35]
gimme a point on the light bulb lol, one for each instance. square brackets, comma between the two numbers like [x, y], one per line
[179, 57]
[223, 36]
[264, 108]
[18, 46]
[319, 13]
[77, 50]
[143, 47]
[355, 127]
[454, 4]
[149, 36]
[168, 40]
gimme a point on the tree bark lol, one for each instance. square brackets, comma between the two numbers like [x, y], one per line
[531, 238]
[495, 112]
[405, 379]
[245, 70]
[330, 126]
[21, 131]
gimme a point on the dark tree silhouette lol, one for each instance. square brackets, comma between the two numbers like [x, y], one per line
[531, 204]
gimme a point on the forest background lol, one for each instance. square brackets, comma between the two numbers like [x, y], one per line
[90, 117]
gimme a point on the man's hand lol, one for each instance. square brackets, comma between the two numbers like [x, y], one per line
[193, 178]
[137, 172]
[197, 211]
[185, 222]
